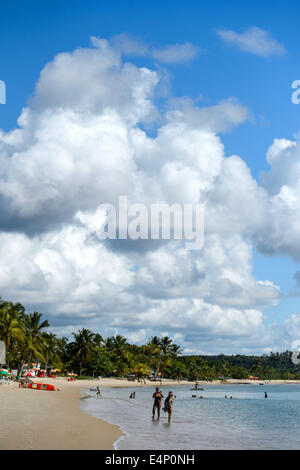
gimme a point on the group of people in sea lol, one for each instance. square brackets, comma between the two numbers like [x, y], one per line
[168, 403]
[157, 404]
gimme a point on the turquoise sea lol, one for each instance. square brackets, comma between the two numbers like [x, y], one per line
[247, 421]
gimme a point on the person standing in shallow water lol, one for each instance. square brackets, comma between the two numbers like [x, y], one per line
[169, 405]
[158, 396]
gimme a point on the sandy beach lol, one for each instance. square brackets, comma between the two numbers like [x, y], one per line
[34, 419]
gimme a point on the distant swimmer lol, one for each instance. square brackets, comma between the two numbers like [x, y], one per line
[225, 396]
[230, 398]
[266, 395]
[98, 393]
[158, 396]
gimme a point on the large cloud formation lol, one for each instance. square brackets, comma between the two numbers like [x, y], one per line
[81, 142]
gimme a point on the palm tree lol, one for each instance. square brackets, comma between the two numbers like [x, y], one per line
[51, 349]
[119, 344]
[120, 351]
[62, 349]
[35, 327]
[98, 340]
[11, 326]
[82, 346]
[166, 352]
[124, 362]
[153, 352]
[175, 350]
[154, 340]
[165, 344]
[16, 310]
[30, 347]
[109, 343]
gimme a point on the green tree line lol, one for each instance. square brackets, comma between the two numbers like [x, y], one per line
[28, 339]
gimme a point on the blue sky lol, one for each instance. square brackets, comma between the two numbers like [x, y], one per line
[33, 33]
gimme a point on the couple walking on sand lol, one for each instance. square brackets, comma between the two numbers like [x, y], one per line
[168, 405]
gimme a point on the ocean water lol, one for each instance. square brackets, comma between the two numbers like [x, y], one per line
[248, 421]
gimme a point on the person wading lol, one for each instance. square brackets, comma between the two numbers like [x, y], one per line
[168, 405]
[158, 396]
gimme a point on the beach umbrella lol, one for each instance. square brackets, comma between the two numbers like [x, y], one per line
[71, 374]
[4, 372]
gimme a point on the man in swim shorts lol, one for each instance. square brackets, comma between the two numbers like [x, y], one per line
[158, 396]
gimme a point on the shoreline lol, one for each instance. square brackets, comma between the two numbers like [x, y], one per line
[127, 419]
[41, 420]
